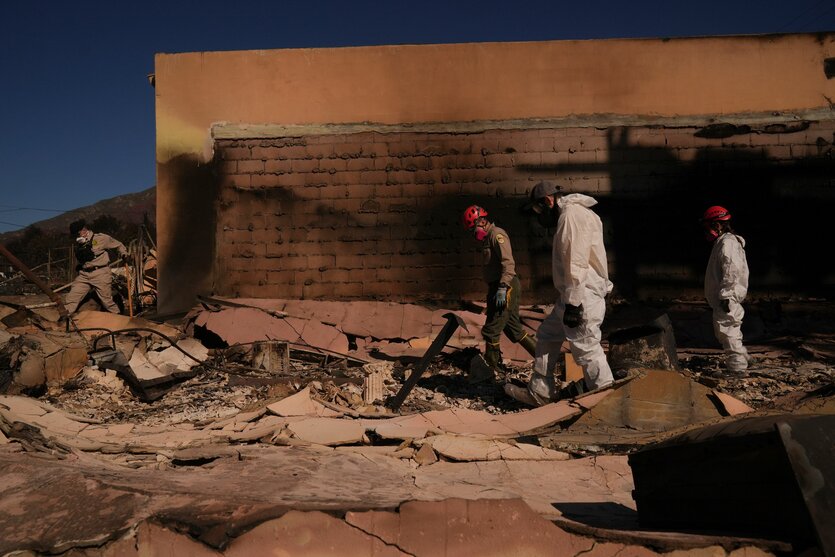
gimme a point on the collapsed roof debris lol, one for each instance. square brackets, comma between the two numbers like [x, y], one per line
[244, 387]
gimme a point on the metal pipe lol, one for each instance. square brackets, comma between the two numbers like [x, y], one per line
[18, 264]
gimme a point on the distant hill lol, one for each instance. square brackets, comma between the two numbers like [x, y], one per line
[129, 208]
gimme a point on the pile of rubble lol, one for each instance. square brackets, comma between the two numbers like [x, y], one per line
[214, 428]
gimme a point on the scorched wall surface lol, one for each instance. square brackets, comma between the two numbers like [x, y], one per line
[377, 215]
[341, 173]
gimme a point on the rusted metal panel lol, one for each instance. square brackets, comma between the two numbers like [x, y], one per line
[658, 401]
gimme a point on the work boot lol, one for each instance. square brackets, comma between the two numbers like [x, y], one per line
[493, 356]
[619, 374]
[735, 373]
[573, 389]
[524, 395]
[528, 342]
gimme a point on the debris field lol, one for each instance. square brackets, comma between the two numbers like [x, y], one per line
[268, 423]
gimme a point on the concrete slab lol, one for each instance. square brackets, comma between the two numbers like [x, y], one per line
[113, 321]
[544, 416]
[153, 540]
[309, 534]
[733, 406]
[58, 422]
[471, 449]
[404, 427]
[539, 483]
[42, 498]
[300, 404]
[473, 422]
[23, 405]
[245, 325]
[317, 334]
[461, 527]
[393, 451]
[328, 431]
[120, 430]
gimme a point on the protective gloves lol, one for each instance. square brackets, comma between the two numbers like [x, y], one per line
[500, 299]
[726, 305]
[573, 316]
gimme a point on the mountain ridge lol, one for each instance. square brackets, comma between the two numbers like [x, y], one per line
[129, 208]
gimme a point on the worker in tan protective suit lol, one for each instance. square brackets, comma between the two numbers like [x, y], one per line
[581, 279]
[93, 267]
[726, 285]
[503, 289]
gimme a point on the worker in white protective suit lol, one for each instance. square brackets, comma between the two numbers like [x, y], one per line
[581, 279]
[726, 285]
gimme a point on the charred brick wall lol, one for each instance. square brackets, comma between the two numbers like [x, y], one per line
[376, 214]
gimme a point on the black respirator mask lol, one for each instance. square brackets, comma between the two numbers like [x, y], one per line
[547, 217]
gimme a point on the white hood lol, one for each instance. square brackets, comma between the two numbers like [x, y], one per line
[580, 268]
[576, 199]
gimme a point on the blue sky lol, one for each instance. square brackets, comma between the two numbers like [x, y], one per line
[78, 113]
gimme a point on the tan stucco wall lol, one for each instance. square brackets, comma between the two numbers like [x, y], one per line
[696, 80]
[487, 81]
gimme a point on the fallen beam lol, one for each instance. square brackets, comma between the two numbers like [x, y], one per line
[452, 323]
[20, 266]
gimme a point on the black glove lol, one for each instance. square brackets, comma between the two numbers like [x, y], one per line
[573, 316]
[84, 253]
[726, 305]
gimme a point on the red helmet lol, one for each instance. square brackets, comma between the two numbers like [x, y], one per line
[716, 213]
[471, 215]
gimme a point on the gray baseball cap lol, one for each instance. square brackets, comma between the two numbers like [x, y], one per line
[540, 191]
[544, 189]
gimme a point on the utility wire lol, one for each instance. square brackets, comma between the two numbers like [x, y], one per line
[68, 211]
[814, 21]
[821, 15]
[804, 14]
[15, 208]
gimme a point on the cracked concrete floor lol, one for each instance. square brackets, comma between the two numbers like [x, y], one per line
[52, 505]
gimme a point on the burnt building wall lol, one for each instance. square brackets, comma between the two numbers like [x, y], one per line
[341, 172]
[377, 214]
